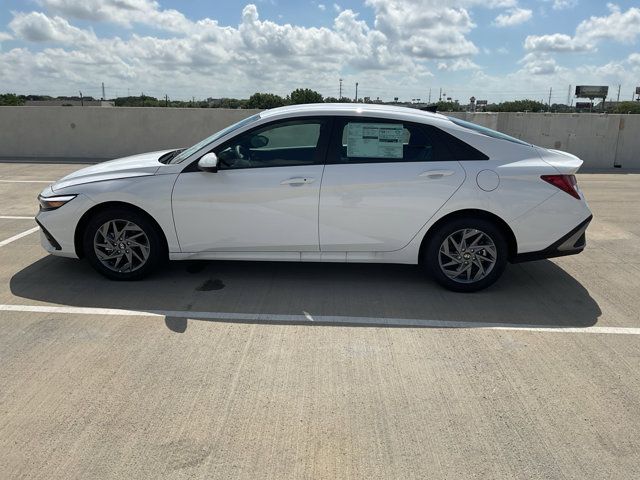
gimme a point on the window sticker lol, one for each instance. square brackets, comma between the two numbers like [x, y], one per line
[375, 140]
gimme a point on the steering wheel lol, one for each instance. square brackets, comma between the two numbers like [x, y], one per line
[242, 153]
[240, 158]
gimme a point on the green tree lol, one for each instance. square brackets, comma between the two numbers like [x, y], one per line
[518, 106]
[448, 106]
[140, 101]
[305, 95]
[337, 100]
[265, 100]
[627, 107]
[11, 99]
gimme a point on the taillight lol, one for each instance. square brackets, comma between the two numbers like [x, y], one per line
[566, 183]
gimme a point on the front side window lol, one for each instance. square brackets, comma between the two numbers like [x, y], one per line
[280, 144]
[193, 149]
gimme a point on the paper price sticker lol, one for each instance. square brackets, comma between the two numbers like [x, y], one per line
[375, 140]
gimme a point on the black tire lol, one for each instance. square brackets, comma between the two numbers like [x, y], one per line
[156, 253]
[433, 255]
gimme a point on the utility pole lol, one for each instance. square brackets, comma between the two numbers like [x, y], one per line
[550, 90]
[103, 95]
[81, 100]
[429, 96]
[619, 86]
[356, 92]
[142, 96]
[166, 100]
[569, 95]
[340, 94]
[440, 97]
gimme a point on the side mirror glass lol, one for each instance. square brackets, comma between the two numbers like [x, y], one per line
[208, 163]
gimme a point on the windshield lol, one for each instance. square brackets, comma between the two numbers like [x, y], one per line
[486, 131]
[191, 150]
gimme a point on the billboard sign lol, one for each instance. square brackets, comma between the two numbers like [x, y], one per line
[637, 90]
[591, 91]
[581, 105]
[481, 102]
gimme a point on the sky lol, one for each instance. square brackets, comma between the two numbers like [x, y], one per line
[491, 49]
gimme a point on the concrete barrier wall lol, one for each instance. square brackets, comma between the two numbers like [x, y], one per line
[602, 141]
[95, 132]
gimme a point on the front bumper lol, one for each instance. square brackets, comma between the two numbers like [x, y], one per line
[570, 244]
[57, 227]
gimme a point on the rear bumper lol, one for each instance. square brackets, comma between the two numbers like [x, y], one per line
[570, 244]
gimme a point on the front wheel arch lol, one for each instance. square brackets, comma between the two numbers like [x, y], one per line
[84, 220]
[474, 213]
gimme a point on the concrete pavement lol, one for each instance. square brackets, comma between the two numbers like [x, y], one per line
[86, 392]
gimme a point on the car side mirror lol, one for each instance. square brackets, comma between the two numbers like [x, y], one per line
[208, 163]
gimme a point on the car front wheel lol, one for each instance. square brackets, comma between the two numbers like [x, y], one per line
[466, 254]
[122, 244]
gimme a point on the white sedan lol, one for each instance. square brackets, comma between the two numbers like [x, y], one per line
[326, 183]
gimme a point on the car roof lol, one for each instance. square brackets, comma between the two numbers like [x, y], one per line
[356, 109]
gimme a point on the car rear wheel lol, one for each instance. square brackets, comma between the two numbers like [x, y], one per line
[466, 254]
[122, 244]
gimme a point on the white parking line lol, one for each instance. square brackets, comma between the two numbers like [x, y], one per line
[15, 217]
[309, 319]
[18, 236]
[26, 181]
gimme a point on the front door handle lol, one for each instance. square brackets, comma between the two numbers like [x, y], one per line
[297, 181]
[434, 174]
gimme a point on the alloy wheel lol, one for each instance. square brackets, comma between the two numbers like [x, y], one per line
[467, 255]
[121, 245]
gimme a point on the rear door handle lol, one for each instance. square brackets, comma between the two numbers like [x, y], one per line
[297, 181]
[434, 174]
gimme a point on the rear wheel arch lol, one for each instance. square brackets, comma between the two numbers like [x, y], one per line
[473, 213]
[101, 207]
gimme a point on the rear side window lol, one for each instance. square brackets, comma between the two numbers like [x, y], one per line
[362, 140]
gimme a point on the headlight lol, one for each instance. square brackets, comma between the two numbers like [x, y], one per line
[51, 203]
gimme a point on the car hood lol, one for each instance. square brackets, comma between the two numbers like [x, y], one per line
[134, 166]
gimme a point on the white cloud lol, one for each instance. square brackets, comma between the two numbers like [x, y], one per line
[618, 26]
[458, 64]
[122, 12]
[322, 6]
[634, 59]
[539, 64]
[563, 4]
[337, 8]
[514, 16]
[257, 55]
[4, 36]
[393, 56]
[557, 42]
[426, 28]
[37, 27]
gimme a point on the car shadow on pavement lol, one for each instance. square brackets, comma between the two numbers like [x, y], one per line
[533, 294]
